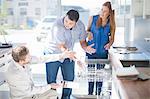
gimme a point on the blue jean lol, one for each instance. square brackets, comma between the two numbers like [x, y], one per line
[67, 70]
[98, 83]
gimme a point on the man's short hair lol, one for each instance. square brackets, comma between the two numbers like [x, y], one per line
[73, 15]
[19, 53]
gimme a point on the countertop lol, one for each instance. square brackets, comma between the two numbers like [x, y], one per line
[141, 54]
[130, 89]
[135, 89]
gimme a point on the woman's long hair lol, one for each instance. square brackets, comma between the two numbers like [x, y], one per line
[111, 17]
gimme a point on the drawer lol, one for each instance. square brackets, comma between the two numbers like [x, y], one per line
[3, 59]
[4, 65]
[2, 78]
[4, 95]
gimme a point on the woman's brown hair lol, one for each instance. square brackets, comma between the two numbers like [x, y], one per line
[111, 17]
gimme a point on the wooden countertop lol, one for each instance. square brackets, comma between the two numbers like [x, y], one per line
[135, 89]
[130, 89]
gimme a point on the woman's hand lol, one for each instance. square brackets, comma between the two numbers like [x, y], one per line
[90, 36]
[90, 50]
[107, 46]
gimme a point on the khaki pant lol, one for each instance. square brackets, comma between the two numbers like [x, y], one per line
[50, 94]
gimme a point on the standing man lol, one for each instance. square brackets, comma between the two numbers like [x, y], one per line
[65, 32]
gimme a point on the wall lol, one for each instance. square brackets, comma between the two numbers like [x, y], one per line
[142, 28]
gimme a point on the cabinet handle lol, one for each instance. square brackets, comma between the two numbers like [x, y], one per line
[2, 56]
[1, 65]
[9, 61]
[2, 82]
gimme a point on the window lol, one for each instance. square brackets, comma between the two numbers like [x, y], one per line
[84, 12]
[37, 11]
[123, 7]
[23, 4]
[10, 11]
[78, 8]
[23, 11]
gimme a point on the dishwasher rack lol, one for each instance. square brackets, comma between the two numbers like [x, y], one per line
[98, 70]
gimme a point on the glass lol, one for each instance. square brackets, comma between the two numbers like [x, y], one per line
[107, 86]
[104, 95]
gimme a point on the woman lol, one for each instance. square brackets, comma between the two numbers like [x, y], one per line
[101, 30]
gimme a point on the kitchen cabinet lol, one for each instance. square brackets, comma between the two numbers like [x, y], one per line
[4, 61]
[140, 8]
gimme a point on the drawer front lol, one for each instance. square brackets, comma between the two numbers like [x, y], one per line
[4, 61]
[2, 57]
[4, 66]
[2, 78]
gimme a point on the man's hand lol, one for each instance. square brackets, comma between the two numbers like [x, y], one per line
[68, 54]
[55, 86]
[81, 64]
[89, 49]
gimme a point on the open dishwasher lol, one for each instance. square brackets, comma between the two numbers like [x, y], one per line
[93, 74]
